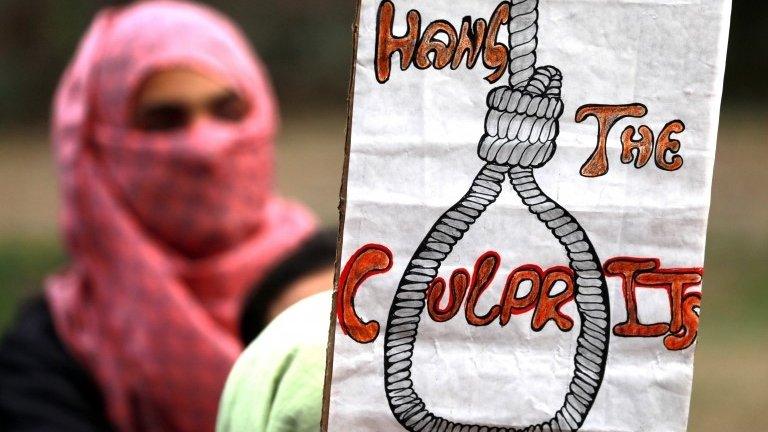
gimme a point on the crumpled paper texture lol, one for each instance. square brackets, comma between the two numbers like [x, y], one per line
[413, 153]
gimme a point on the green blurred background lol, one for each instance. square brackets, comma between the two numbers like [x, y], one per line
[311, 72]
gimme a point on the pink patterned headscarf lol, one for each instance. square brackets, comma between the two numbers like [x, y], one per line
[166, 230]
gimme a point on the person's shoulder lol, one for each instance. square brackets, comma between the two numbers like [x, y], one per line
[276, 385]
[314, 253]
[31, 335]
[303, 327]
[304, 322]
[42, 386]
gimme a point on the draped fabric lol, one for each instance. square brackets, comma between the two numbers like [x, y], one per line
[166, 230]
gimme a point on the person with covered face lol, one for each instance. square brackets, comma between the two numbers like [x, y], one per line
[180, 250]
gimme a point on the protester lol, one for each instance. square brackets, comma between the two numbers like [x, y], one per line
[163, 131]
[277, 383]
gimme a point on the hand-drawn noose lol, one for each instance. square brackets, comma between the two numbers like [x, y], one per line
[520, 131]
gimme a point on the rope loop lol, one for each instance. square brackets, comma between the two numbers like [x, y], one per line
[520, 132]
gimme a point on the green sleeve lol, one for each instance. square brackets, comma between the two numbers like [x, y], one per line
[277, 383]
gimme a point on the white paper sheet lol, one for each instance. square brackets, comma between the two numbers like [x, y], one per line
[416, 145]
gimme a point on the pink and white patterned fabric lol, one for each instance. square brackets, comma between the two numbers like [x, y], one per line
[167, 231]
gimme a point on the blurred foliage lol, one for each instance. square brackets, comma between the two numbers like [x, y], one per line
[23, 262]
[307, 45]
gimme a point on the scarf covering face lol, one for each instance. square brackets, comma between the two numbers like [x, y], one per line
[166, 230]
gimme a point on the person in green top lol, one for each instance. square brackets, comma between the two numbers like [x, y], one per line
[277, 383]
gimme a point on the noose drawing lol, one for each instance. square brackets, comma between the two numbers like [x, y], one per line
[520, 131]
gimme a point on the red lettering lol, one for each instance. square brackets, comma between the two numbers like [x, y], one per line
[496, 55]
[644, 145]
[627, 269]
[684, 320]
[690, 328]
[367, 261]
[443, 52]
[667, 144]
[457, 290]
[511, 302]
[679, 333]
[387, 44]
[485, 270]
[470, 42]
[549, 305]
[416, 48]
[606, 116]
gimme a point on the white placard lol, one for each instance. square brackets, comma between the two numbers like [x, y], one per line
[527, 192]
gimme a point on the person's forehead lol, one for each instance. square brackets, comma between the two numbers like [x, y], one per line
[180, 84]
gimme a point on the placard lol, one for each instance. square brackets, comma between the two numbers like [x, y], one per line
[524, 214]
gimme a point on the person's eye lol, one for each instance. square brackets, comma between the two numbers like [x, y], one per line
[163, 117]
[229, 106]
